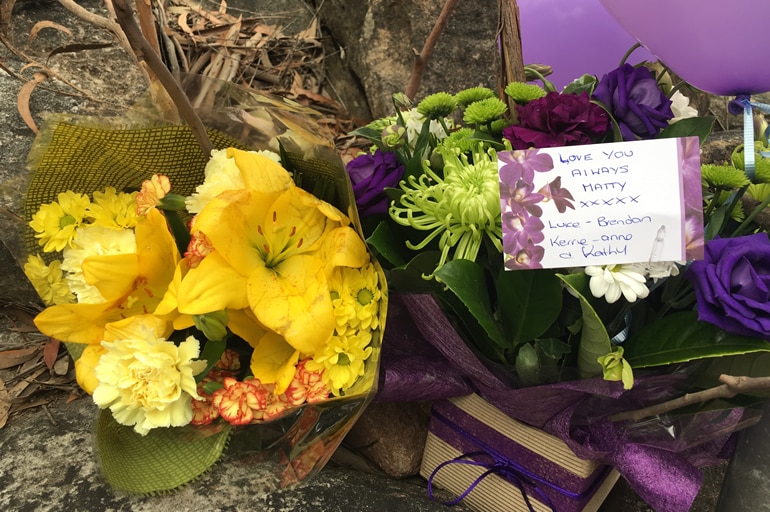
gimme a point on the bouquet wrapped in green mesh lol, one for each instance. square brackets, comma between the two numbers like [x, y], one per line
[206, 299]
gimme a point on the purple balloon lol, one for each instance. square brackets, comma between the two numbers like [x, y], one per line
[574, 37]
[715, 45]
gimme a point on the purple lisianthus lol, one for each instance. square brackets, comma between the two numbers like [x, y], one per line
[557, 120]
[370, 174]
[732, 284]
[635, 100]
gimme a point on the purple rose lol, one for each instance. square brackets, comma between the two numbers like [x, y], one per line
[557, 120]
[370, 174]
[636, 102]
[732, 284]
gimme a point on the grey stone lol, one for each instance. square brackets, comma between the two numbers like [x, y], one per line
[378, 38]
[392, 435]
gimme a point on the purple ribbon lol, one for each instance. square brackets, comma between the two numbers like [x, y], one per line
[512, 471]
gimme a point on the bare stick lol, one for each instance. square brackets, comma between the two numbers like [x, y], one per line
[730, 387]
[144, 51]
[511, 68]
[421, 59]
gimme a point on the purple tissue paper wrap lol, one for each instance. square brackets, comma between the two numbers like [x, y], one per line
[667, 480]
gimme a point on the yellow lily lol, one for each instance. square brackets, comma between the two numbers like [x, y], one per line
[270, 254]
[131, 284]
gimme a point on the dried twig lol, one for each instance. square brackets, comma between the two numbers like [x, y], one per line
[421, 59]
[730, 387]
[144, 51]
[511, 68]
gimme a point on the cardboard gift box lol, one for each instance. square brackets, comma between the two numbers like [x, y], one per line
[493, 462]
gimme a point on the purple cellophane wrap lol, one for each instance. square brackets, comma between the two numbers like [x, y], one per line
[574, 411]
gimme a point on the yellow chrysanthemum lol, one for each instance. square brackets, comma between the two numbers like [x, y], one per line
[55, 223]
[112, 209]
[48, 281]
[342, 360]
[356, 298]
[92, 240]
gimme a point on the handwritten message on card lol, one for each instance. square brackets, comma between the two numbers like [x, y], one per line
[623, 202]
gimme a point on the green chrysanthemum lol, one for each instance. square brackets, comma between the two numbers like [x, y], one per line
[460, 208]
[437, 106]
[485, 111]
[522, 93]
[761, 164]
[472, 95]
[382, 123]
[460, 140]
[723, 176]
[496, 128]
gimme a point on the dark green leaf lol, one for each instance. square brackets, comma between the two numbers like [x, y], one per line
[553, 348]
[211, 353]
[467, 281]
[700, 126]
[529, 302]
[388, 244]
[409, 278]
[681, 337]
[178, 229]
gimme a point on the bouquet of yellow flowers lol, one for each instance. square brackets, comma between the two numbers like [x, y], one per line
[200, 295]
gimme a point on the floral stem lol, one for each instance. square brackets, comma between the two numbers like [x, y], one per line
[421, 59]
[731, 386]
[629, 52]
[144, 51]
[756, 211]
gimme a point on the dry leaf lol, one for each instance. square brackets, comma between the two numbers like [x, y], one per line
[22, 101]
[5, 404]
[74, 48]
[11, 358]
[51, 353]
[40, 25]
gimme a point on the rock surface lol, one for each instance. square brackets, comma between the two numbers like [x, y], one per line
[47, 466]
[379, 37]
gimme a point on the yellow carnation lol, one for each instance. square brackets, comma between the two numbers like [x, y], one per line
[144, 380]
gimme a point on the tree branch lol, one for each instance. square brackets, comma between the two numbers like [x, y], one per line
[144, 51]
[730, 387]
[511, 68]
[421, 59]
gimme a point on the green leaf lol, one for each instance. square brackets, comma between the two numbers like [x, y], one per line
[178, 229]
[467, 281]
[409, 278]
[700, 126]
[553, 348]
[584, 84]
[386, 243]
[212, 351]
[594, 340]
[680, 337]
[529, 302]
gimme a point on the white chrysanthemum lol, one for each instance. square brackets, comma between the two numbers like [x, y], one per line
[610, 281]
[148, 382]
[93, 240]
[221, 174]
[680, 106]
